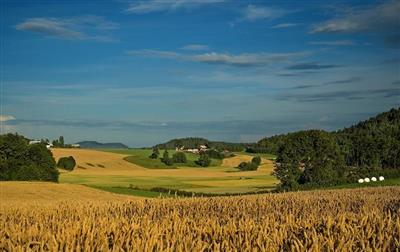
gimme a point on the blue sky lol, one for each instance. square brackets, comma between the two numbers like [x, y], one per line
[142, 72]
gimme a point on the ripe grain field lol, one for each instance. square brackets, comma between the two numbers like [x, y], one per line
[365, 219]
[110, 170]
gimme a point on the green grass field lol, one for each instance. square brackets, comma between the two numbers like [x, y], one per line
[141, 175]
[141, 157]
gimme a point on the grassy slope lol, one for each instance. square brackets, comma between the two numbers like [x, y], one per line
[141, 157]
[119, 175]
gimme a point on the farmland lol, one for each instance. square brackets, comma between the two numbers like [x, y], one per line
[343, 220]
[118, 170]
[43, 193]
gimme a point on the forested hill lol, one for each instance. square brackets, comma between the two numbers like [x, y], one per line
[374, 142]
[371, 143]
[97, 145]
[388, 122]
[194, 142]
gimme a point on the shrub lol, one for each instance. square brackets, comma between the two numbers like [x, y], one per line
[215, 154]
[155, 153]
[179, 157]
[66, 163]
[204, 160]
[256, 160]
[247, 166]
[166, 159]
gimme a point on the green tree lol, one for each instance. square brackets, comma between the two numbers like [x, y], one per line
[256, 160]
[155, 153]
[204, 160]
[248, 166]
[66, 163]
[20, 161]
[61, 141]
[166, 159]
[179, 157]
[309, 157]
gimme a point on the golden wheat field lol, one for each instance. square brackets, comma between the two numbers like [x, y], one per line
[343, 220]
[39, 193]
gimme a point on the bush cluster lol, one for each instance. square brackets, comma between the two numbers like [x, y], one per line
[179, 157]
[204, 160]
[66, 163]
[250, 166]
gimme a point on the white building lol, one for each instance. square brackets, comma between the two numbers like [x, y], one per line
[48, 145]
[34, 142]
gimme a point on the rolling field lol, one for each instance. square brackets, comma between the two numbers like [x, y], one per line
[30, 193]
[110, 171]
[338, 220]
[141, 158]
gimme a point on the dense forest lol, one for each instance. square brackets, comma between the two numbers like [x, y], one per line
[314, 157]
[374, 142]
[194, 142]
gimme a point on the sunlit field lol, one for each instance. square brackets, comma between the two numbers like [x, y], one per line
[112, 172]
[342, 220]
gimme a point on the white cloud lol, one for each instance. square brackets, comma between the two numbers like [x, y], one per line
[284, 25]
[333, 43]
[379, 18]
[243, 60]
[253, 13]
[75, 28]
[49, 26]
[149, 6]
[195, 47]
[5, 118]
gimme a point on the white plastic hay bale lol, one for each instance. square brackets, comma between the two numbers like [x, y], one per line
[373, 179]
[381, 178]
[366, 180]
[361, 181]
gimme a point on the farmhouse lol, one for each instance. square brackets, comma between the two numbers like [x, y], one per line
[201, 148]
[48, 145]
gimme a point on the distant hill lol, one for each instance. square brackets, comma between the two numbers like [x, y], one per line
[97, 145]
[194, 142]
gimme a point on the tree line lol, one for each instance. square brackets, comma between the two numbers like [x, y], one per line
[317, 158]
[21, 161]
[194, 142]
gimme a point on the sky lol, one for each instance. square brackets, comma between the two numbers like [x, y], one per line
[143, 72]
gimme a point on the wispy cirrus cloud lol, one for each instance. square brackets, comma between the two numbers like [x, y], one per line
[333, 43]
[347, 95]
[239, 60]
[253, 13]
[284, 25]
[380, 18]
[311, 66]
[75, 28]
[344, 81]
[195, 47]
[143, 7]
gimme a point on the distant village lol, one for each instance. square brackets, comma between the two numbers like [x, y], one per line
[201, 148]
